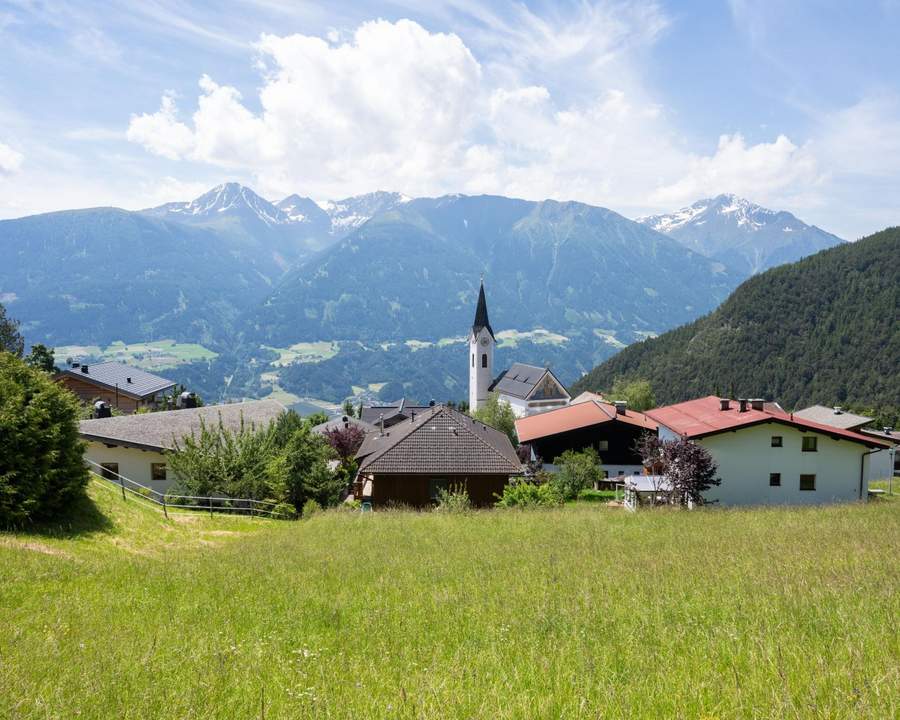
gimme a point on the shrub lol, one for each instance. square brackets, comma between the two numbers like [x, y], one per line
[310, 508]
[521, 493]
[41, 458]
[453, 500]
[284, 511]
[577, 471]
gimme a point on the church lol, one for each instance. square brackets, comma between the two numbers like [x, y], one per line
[527, 389]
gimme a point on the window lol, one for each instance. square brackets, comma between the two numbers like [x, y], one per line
[110, 470]
[776, 441]
[810, 443]
[605, 474]
[603, 445]
[774, 479]
[157, 471]
[807, 482]
[473, 359]
[621, 472]
[484, 360]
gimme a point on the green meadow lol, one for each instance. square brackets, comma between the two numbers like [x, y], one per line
[156, 355]
[579, 612]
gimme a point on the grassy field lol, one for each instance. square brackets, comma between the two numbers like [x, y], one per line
[304, 352]
[156, 355]
[581, 612]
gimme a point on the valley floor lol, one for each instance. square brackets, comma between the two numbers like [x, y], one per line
[584, 611]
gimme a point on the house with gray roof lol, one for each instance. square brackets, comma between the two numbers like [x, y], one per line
[136, 446]
[835, 416]
[392, 413]
[121, 386]
[529, 389]
[412, 461]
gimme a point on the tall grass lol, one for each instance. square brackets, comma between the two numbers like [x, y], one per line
[576, 612]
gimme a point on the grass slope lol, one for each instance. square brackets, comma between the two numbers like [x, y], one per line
[578, 612]
[821, 330]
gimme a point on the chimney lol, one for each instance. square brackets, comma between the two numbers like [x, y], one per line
[621, 407]
[838, 410]
[431, 403]
[724, 404]
[887, 430]
[743, 404]
[412, 416]
[84, 369]
[381, 422]
[128, 380]
[757, 403]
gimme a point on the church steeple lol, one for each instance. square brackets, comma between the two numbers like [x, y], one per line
[481, 354]
[481, 314]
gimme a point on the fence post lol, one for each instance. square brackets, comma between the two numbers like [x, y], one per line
[210, 506]
[165, 512]
[121, 485]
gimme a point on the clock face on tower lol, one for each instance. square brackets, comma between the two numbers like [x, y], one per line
[484, 342]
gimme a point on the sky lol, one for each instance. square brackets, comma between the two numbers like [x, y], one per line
[641, 107]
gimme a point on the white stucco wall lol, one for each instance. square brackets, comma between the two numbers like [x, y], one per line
[881, 465]
[746, 458]
[133, 464]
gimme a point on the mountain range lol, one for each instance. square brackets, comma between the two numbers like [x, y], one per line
[740, 234]
[821, 330]
[376, 273]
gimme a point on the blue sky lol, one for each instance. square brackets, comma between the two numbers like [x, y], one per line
[637, 106]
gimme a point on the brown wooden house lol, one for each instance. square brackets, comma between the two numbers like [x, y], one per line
[123, 387]
[440, 448]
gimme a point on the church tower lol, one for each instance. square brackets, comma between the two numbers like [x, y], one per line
[481, 354]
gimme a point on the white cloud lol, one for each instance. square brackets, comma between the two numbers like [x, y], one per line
[10, 160]
[559, 109]
[161, 132]
[765, 172]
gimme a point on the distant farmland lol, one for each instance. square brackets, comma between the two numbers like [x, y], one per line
[582, 612]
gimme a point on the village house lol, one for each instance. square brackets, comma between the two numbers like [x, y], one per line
[768, 456]
[391, 414]
[883, 463]
[125, 388]
[439, 449]
[136, 446]
[610, 428]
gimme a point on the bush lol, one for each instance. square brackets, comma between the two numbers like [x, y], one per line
[284, 511]
[453, 500]
[42, 470]
[577, 471]
[310, 508]
[521, 493]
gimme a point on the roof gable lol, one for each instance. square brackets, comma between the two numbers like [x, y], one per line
[439, 441]
[703, 417]
[574, 417]
[521, 381]
[127, 380]
[836, 417]
[160, 430]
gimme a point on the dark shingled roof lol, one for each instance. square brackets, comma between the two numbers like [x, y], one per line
[521, 379]
[342, 421]
[481, 314]
[112, 374]
[393, 413]
[158, 430]
[439, 441]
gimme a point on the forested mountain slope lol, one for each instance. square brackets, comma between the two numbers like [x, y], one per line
[824, 330]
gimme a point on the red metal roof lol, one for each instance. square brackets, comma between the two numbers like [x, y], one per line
[573, 417]
[704, 416]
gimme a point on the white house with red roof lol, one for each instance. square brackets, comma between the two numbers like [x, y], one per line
[767, 456]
